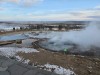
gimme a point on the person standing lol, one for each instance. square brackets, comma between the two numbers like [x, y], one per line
[65, 50]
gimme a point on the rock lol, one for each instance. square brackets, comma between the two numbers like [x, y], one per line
[17, 70]
[11, 67]
[3, 68]
[4, 73]
[31, 72]
[8, 63]
[39, 72]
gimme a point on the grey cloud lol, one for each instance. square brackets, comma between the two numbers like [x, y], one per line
[97, 17]
[76, 13]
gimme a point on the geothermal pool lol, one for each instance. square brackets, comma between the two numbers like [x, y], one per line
[55, 46]
[72, 48]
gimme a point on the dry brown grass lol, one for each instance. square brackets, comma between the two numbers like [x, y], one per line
[81, 65]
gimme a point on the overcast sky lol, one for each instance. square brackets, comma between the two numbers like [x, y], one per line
[49, 10]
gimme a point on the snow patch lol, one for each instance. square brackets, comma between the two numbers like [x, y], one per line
[60, 70]
[43, 35]
[11, 51]
[21, 59]
[27, 61]
[56, 69]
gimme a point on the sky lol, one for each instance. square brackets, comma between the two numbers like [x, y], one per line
[49, 10]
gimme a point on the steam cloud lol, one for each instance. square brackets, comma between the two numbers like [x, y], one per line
[86, 38]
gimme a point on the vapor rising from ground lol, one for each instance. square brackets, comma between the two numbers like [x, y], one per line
[86, 38]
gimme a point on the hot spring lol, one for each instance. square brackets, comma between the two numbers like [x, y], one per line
[84, 41]
[53, 46]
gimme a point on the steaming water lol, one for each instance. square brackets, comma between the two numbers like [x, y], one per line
[55, 47]
[85, 39]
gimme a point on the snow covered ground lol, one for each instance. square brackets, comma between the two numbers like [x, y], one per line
[59, 70]
[6, 27]
[44, 35]
[56, 69]
[11, 51]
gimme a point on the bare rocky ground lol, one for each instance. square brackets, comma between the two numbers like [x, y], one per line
[81, 65]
